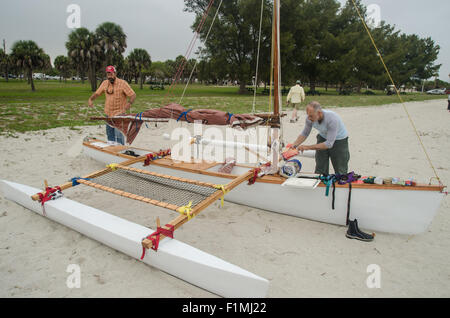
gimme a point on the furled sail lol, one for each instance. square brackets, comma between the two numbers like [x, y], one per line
[130, 124]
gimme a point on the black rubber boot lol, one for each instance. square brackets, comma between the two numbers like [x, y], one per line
[354, 232]
[357, 228]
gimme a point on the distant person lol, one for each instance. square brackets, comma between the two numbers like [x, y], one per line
[448, 106]
[295, 96]
[116, 91]
[332, 140]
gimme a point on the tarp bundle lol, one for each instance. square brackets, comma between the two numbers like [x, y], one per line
[131, 125]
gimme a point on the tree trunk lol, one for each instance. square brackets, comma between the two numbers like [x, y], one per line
[31, 80]
[312, 84]
[242, 89]
[93, 78]
[140, 77]
[6, 71]
[82, 75]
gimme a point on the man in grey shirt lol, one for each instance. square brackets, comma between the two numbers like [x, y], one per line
[332, 140]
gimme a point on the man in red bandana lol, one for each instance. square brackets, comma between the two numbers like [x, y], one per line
[117, 91]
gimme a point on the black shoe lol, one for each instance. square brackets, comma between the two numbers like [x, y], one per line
[354, 232]
[359, 231]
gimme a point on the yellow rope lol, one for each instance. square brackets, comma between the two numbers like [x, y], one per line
[186, 210]
[398, 94]
[113, 166]
[221, 187]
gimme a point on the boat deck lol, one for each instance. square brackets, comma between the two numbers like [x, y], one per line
[205, 168]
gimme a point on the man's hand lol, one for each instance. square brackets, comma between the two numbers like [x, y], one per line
[291, 146]
[90, 103]
[302, 148]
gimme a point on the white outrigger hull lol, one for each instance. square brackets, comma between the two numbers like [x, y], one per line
[173, 257]
[400, 211]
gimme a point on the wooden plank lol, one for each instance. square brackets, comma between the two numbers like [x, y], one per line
[129, 195]
[199, 183]
[95, 174]
[182, 219]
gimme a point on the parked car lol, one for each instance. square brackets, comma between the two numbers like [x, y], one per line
[38, 76]
[437, 91]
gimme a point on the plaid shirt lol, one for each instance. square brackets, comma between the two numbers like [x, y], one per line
[116, 96]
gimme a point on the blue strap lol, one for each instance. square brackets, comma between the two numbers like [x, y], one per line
[229, 116]
[140, 119]
[327, 180]
[184, 114]
[298, 162]
[74, 180]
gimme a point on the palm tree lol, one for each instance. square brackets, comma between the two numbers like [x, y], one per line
[113, 41]
[84, 48]
[28, 56]
[76, 48]
[4, 61]
[62, 64]
[140, 59]
[128, 70]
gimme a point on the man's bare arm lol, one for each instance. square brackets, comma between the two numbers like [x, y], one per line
[300, 139]
[321, 146]
[92, 98]
[130, 101]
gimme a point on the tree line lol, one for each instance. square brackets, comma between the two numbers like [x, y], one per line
[88, 54]
[320, 42]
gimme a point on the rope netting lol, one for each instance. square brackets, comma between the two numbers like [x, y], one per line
[153, 187]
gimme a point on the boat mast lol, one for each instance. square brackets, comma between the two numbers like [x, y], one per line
[276, 57]
[275, 120]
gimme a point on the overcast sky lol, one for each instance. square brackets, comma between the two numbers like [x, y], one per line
[163, 28]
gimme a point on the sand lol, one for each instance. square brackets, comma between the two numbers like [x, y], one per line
[301, 258]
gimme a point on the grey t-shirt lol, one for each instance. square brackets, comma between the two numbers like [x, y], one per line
[331, 128]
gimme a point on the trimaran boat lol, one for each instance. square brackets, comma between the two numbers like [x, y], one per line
[189, 187]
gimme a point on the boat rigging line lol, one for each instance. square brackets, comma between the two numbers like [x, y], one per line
[398, 94]
[206, 39]
[257, 58]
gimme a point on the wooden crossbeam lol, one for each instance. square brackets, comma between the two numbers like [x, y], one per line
[182, 219]
[95, 174]
[129, 195]
[150, 173]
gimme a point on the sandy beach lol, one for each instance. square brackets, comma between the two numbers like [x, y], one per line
[300, 258]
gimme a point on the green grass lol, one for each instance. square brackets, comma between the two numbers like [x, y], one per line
[57, 104]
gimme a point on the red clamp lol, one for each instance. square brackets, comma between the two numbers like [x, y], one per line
[50, 194]
[156, 155]
[155, 237]
[252, 180]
